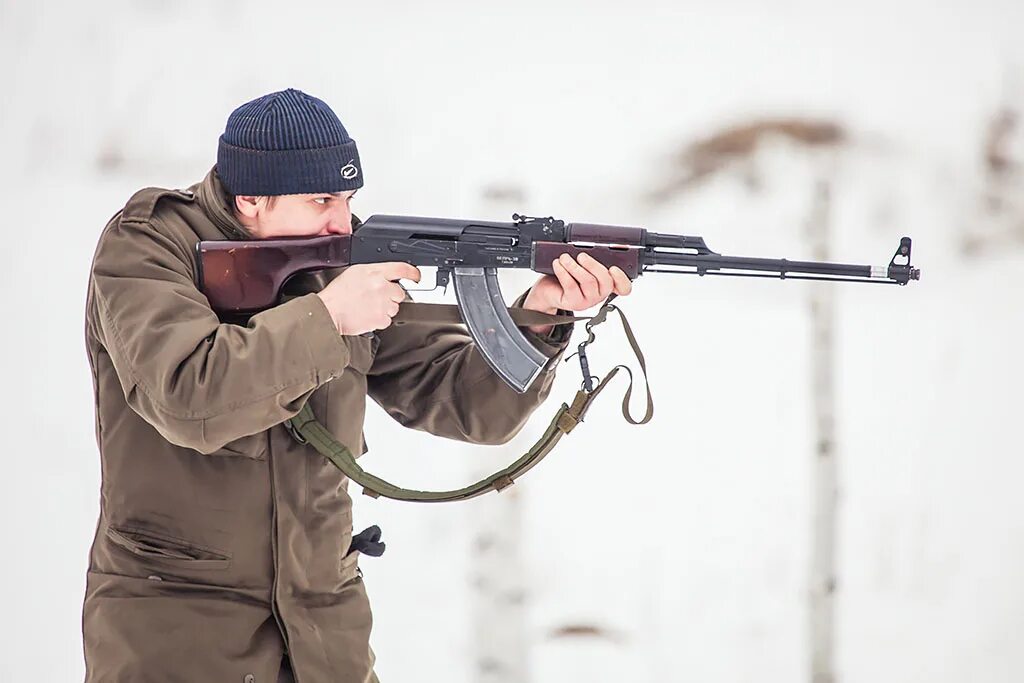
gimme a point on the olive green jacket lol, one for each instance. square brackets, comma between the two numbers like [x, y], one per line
[222, 542]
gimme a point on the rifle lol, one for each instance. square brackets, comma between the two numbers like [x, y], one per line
[244, 277]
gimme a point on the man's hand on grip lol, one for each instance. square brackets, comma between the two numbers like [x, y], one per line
[365, 297]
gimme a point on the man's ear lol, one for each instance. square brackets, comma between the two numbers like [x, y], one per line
[248, 206]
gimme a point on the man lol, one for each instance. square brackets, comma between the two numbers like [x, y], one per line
[222, 551]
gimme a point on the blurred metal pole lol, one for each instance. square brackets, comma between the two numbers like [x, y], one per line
[825, 471]
[824, 140]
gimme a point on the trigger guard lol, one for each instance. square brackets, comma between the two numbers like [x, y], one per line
[502, 344]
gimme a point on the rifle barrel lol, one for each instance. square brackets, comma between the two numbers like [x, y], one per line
[716, 264]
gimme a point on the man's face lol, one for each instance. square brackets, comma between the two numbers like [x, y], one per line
[296, 215]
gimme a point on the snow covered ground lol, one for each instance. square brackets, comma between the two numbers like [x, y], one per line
[670, 552]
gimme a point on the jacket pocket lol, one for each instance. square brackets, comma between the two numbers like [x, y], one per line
[253, 447]
[348, 568]
[362, 350]
[167, 550]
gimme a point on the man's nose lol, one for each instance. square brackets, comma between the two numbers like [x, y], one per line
[340, 222]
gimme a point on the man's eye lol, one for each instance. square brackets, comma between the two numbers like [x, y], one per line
[322, 201]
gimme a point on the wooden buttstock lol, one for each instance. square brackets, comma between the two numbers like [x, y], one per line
[246, 276]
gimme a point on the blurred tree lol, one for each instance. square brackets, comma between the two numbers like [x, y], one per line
[1002, 193]
[497, 566]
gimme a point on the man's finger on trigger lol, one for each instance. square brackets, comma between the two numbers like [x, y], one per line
[397, 293]
[400, 270]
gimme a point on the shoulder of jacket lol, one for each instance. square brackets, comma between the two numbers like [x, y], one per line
[143, 204]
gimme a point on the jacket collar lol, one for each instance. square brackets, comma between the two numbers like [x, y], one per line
[212, 198]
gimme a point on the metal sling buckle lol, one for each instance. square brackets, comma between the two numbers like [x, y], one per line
[581, 350]
[290, 426]
[588, 379]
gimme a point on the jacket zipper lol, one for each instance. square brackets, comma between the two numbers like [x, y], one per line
[274, 608]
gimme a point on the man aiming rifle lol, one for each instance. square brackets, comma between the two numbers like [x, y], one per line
[224, 548]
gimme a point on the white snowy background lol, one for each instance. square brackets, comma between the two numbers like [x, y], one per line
[676, 551]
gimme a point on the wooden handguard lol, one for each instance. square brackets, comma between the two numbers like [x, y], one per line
[628, 260]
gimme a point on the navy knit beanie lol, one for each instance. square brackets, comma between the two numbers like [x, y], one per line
[287, 143]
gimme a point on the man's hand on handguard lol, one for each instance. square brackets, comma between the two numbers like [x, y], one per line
[365, 297]
[575, 286]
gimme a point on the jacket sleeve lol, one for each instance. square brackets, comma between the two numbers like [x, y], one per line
[202, 383]
[432, 378]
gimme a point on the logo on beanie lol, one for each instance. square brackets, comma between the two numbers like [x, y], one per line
[349, 171]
